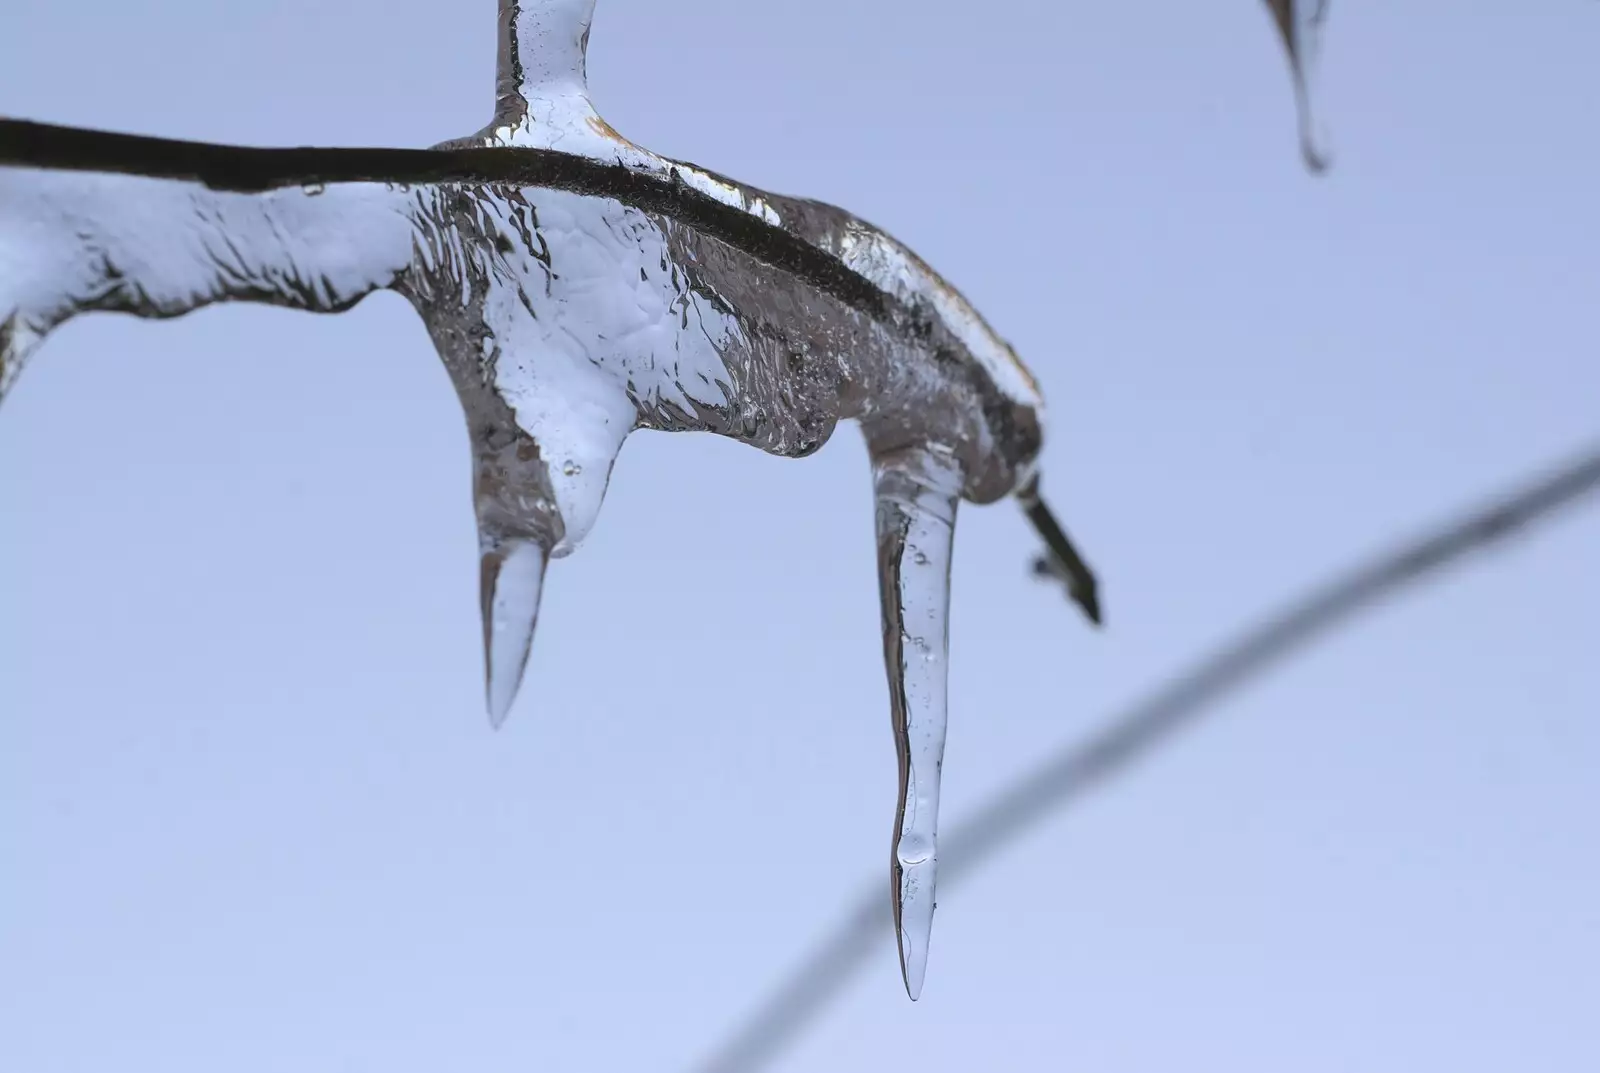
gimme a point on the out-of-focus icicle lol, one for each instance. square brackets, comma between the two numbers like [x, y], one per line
[917, 492]
[1300, 24]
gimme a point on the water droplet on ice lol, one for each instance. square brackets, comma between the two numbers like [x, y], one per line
[914, 849]
[313, 189]
[571, 468]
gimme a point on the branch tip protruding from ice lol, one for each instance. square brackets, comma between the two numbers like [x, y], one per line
[1062, 560]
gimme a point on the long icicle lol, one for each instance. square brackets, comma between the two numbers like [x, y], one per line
[917, 492]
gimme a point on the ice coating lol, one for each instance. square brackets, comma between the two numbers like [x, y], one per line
[576, 287]
[546, 104]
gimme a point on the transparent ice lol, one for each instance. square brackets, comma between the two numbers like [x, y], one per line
[578, 287]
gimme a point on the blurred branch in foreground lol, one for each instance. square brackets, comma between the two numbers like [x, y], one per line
[1137, 732]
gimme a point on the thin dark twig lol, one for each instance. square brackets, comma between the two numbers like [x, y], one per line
[1135, 734]
[1062, 558]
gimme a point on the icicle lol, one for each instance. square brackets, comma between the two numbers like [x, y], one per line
[1300, 24]
[917, 493]
[518, 525]
[511, 580]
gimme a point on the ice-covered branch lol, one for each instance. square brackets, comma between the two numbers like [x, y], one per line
[577, 287]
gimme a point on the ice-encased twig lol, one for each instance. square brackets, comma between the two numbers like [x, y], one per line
[576, 287]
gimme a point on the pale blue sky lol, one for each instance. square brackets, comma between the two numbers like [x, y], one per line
[252, 817]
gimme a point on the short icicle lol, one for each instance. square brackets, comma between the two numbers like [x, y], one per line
[917, 492]
[518, 526]
[511, 580]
